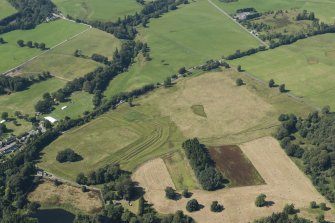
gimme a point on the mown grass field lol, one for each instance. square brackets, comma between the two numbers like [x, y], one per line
[129, 136]
[6, 9]
[61, 62]
[322, 8]
[49, 33]
[306, 68]
[187, 37]
[107, 10]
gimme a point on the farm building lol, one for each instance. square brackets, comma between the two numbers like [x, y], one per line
[50, 119]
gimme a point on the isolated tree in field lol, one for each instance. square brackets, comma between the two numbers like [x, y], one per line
[30, 44]
[260, 200]
[68, 155]
[167, 82]
[186, 193]
[239, 68]
[271, 83]
[282, 88]
[4, 115]
[192, 205]
[323, 206]
[239, 82]
[20, 43]
[182, 70]
[289, 209]
[216, 207]
[313, 205]
[2, 41]
[42, 46]
[170, 193]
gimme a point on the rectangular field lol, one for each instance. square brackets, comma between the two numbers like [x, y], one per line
[231, 161]
[189, 36]
[107, 10]
[306, 68]
[62, 63]
[49, 33]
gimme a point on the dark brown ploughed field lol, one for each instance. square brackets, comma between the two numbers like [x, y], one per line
[235, 166]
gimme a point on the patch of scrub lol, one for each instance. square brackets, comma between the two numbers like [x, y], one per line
[199, 110]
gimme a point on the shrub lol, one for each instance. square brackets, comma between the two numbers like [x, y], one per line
[216, 207]
[313, 205]
[170, 193]
[192, 205]
[186, 193]
[239, 82]
[260, 200]
[289, 209]
[323, 206]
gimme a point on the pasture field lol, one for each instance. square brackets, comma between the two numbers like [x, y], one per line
[66, 196]
[105, 10]
[6, 9]
[181, 172]
[49, 33]
[305, 67]
[285, 184]
[188, 37]
[24, 101]
[129, 136]
[61, 62]
[231, 117]
[322, 8]
[235, 166]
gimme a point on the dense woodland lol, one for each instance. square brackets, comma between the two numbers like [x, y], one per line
[202, 164]
[312, 140]
[30, 14]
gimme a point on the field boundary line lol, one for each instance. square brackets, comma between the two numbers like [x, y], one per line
[48, 50]
[245, 29]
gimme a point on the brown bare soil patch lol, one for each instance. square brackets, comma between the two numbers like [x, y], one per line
[285, 183]
[231, 161]
[49, 194]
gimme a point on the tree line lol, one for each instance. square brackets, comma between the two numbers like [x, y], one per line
[316, 146]
[10, 84]
[203, 166]
[30, 14]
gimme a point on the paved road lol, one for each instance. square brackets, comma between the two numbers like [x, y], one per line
[48, 50]
[245, 29]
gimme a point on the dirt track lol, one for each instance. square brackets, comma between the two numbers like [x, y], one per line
[285, 183]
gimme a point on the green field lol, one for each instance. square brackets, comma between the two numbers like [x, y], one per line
[24, 101]
[50, 33]
[185, 37]
[129, 136]
[106, 10]
[306, 67]
[61, 62]
[324, 9]
[6, 9]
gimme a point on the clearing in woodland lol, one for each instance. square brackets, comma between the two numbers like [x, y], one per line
[66, 196]
[305, 67]
[186, 37]
[285, 184]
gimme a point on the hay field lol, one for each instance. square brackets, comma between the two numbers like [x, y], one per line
[6, 9]
[105, 10]
[189, 36]
[129, 136]
[230, 110]
[322, 8]
[47, 194]
[51, 34]
[285, 183]
[61, 62]
[306, 67]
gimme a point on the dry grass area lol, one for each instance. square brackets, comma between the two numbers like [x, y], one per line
[285, 183]
[229, 109]
[65, 195]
